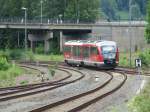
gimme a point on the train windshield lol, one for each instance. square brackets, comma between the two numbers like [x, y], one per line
[109, 52]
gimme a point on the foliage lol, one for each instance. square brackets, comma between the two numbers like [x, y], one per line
[39, 49]
[47, 57]
[4, 65]
[30, 56]
[111, 8]
[145, 57]
[141, 103]
[10, 73]
[123, 61]
[16, 54]
[7, 77]
[84, 10]
[135, 12]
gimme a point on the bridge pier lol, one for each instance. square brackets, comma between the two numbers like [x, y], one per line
[46, 46]
[40, 36]
[61, 41]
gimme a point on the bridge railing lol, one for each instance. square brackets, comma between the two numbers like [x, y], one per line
[44, 21]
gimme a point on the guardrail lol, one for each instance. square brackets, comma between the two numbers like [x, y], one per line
[44, 21]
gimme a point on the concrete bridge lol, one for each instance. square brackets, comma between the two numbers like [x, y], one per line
[117, 31]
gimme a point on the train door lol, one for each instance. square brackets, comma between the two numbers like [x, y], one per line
[94, 53]
[76, 52]
[86, 53]
[67, 52]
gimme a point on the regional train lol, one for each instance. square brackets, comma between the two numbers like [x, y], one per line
[102, 53]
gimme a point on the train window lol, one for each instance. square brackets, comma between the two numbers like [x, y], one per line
[86, 52]
[76, 51]
[67, 49]
[94, 51]
[108, 49]
[109, 52]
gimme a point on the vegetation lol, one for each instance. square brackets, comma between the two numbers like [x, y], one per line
[17, 54]
[141, 103]
[145, 57]
[4, 65]
[7, 76]
[112, 9]
[50, 57]
[124, 59]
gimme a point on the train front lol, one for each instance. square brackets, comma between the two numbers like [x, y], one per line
[109, 54]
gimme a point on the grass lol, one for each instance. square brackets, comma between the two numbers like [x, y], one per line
[7, 77]
[124, 59]
[141, 103]
[51, 57]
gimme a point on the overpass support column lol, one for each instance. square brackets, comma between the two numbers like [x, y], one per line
[31, 45]
[61, 41]
[46, 46]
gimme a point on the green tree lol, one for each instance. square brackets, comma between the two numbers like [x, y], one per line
[84, 10]
[135, 12]
[109, 8]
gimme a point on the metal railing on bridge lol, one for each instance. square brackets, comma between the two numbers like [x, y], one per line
[44, 21]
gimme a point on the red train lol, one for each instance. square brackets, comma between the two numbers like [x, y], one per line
[103, 54]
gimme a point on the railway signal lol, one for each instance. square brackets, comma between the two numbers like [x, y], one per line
[138, 64]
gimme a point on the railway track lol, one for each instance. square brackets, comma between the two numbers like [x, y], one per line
[119, 68]
[84, 99]
[32, 86]
[73, 103]
[38, 88]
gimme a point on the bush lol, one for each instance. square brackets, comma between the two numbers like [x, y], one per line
[10, 73]
[4, 54]
[16, 54]
[123, 61]
[4, 65]
[145, 57]
[29, 56]
[39, 49]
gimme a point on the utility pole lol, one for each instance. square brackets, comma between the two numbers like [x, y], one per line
[78, 14]
[41, 11]
[130, 36]
[26, 44]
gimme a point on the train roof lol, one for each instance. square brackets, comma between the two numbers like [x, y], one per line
[90, 42]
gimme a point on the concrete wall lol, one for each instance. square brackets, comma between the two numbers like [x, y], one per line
[122, 35]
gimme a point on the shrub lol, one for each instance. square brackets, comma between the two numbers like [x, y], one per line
[39, 49]
[16, 54]
[4, 54]
[145, 57]
[28, 55]
[4, 65]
